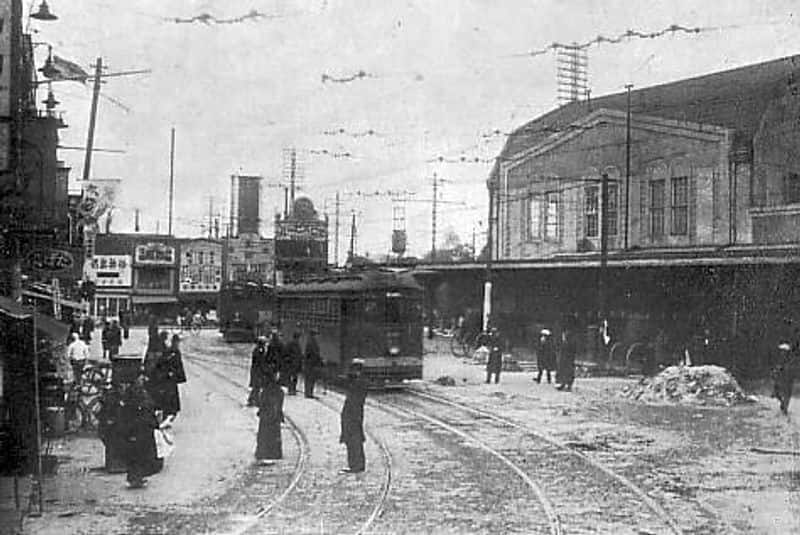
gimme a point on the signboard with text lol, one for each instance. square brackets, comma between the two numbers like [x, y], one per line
[112, 271]
[155, 254]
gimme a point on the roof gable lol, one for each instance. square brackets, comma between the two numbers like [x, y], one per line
[734, 99]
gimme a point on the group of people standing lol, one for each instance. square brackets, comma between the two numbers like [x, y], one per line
[138, 411]
[274, 366]
[558, 358]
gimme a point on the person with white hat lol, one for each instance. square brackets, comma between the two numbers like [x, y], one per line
[258, 369]
[545, 355]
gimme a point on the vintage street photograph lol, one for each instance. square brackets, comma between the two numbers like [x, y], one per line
[399, 267]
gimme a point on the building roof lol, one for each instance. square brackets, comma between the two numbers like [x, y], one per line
[735, 99]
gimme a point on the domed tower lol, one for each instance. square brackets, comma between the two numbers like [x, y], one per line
[301, 241]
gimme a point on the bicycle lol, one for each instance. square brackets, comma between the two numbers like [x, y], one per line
[463, 343]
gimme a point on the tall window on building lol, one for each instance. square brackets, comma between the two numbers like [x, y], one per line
[791, 188]
[534, 218]
[612, 215]
[657, 208]
[551, 217]
[680, 206]
[591, 211]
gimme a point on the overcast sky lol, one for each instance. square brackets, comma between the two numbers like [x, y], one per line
[438, 75]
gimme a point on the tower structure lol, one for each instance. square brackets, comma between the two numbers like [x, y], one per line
[572, 72]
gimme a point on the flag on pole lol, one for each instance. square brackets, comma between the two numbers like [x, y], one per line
[56, 68]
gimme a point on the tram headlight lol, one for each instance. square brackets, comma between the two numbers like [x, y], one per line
[394, 350]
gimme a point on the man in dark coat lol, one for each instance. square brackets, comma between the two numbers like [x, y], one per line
[104, 334]
[269, 447]
[565, 374]
[545, 355]
[495, 361]
[294, 362]
[167, 374]
[114, 339]
[312, 364]
[125, 323]
[138, 423]
[784, 375]
[87, 327]
[352, 420]
[259, 368]
[276, 357]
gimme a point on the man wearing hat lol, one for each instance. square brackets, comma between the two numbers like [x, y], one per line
[312, 362]
[784, 375]
[259, 364]
[545, 355]
[352, 420]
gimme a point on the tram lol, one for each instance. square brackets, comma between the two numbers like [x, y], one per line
[245, 310]
[374, 315]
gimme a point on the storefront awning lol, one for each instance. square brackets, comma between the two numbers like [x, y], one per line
[45, 324]
[63, 302]
[153, 299]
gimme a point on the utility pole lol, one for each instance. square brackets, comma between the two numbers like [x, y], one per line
[136, 220]
[627, 164]
[433, 216]
[353, 237]
[336, 232]
[171, 176]
[602, 274]
[210, 214]
[487, 285]
[292, 176]
[87, 161]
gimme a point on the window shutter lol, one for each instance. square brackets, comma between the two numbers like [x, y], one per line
[523, 219]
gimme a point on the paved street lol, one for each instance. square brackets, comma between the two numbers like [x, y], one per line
[436, 465]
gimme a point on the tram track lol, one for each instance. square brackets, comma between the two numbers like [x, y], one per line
[555, 449]
[303, 461]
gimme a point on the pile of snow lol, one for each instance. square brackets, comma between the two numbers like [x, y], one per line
[704, 385]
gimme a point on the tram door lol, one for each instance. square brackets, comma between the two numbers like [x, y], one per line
[351, 329]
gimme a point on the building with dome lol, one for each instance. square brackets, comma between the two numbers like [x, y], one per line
[301, 241]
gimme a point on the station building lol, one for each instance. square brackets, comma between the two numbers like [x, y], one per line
[701, 218]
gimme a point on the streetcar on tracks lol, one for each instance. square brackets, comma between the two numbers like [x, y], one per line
[373, 315]
[245, 310]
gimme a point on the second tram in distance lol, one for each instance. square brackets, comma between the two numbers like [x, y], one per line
[372, 315]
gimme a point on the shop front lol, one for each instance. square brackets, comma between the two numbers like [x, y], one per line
[154, 291]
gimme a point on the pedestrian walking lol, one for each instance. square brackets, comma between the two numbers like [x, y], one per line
[269, 447]
[565, 374]
[352, 418]
[125, 323]
[104, 334]
[169, 373]
[87, 327]
[259, 369]
[294, 362]
[784, 375]
[77, 354]
[495, 361]
[139, 423]
[114, 339]
[312, 363]
[545, 355]
[276, 356]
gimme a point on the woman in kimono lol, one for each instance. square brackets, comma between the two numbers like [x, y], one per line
[171, 374]
[270, 417]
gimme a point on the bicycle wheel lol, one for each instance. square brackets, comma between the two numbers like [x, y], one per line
[457, 345]
[92, 380]
[89, 411]
[73, 417]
